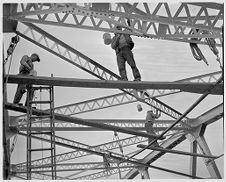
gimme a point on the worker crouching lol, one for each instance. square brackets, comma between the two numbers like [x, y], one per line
[26, 68]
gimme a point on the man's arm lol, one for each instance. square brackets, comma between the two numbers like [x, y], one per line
[129, 41]
[24, 63]
[115, 41]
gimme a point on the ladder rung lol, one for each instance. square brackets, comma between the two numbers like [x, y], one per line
[41, 88]
[41, 117]
[41, 102]
[44, 166]
[40, 133]
[41, 149]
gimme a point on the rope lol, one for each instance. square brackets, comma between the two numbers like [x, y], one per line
[212, 45]
[197, 53]
[13, 144]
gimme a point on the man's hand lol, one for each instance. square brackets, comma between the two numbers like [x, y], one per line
[33, 73]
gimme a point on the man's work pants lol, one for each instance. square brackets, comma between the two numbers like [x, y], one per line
[21, 89]
[126, 55]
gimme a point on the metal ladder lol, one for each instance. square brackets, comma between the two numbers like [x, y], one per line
[50, 132]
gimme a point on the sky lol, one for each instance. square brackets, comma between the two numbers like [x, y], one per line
[157, 60]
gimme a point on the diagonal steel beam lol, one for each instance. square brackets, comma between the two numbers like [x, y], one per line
[203, 96]
[76, 154]
[89, 65]
[123, 98]
[135, 162]
[134, 172]
[78, 121]
[119, 99]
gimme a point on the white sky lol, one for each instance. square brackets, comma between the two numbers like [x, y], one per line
[157, 60]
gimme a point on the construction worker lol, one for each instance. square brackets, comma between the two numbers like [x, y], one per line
[26, 68]
[123, 44]
[150, 118]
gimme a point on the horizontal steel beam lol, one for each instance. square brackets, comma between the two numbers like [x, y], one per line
[157, 129]
[79, 121]
[87, 83]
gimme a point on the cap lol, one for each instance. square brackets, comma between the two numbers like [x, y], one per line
[37, 56]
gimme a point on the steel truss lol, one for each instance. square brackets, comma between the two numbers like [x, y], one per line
[132, 124]
[207, 118]
[40, 38]
[90, 66]
[118, 99]
[145, 21]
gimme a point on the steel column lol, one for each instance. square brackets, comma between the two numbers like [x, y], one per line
[193, 159]
[210, 163]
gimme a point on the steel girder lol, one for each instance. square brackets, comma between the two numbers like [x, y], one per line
[118, 99]
[90, 66]
[158, 125]
[144, 22]
[212, 116]
[214, 112]
[207, 118]
[38, 176]
[75, 167]
[110, 84]
[67, 53]
[135, 162]
[154, 155]
[39, 112]
[168, 146]
[193, 159]
[76, 154]
[197, 134]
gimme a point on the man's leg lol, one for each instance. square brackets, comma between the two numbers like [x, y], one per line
[130, 60]
[31, 96]
[19, 93]
[121, 66]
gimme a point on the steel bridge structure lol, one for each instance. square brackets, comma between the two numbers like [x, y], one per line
[188, 22]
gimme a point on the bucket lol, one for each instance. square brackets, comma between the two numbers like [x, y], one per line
[107, 38]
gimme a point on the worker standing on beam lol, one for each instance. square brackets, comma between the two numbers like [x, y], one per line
[123, 44]
[26, 68]
[150, 118]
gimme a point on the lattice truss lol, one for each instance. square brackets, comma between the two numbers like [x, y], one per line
[189, 22]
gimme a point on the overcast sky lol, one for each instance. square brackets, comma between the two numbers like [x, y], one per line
[157, 60]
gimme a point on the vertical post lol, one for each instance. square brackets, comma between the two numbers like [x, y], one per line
[144, 173]
[5, 125]
[193, 159]
[210, 163]
[53, 146]
[29, 113]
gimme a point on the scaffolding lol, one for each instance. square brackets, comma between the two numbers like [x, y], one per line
[51, 132]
